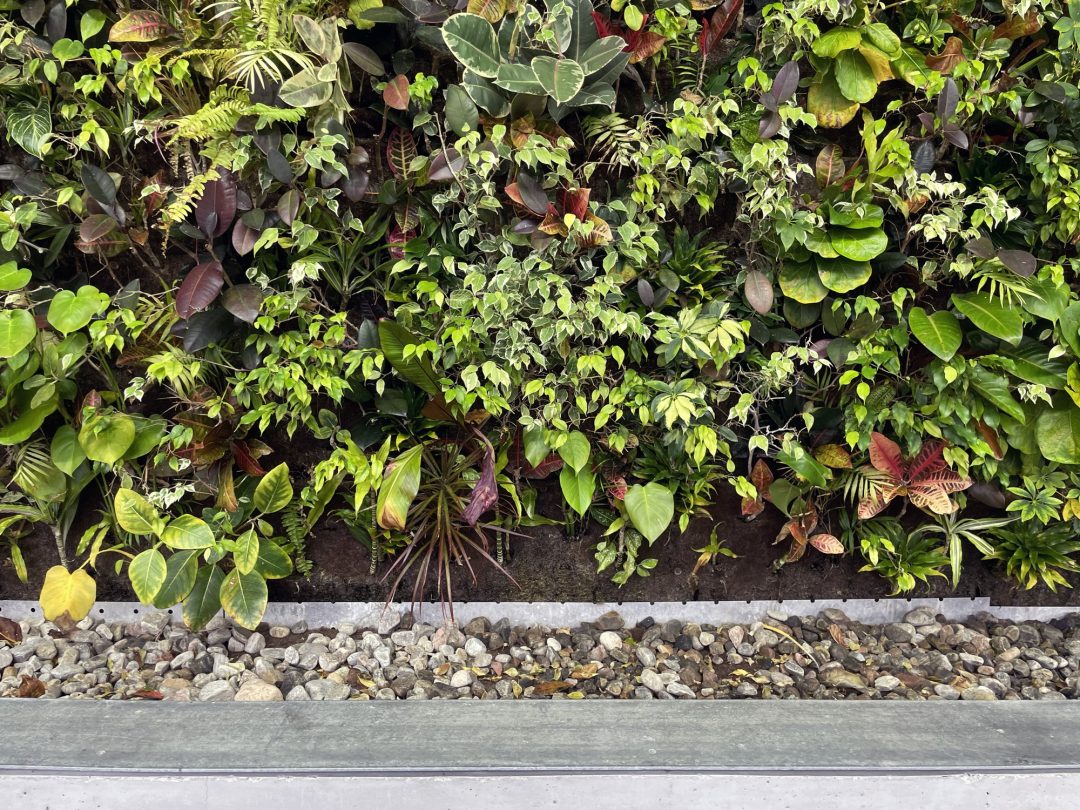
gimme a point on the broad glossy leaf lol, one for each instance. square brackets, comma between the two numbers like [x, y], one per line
[66, 452]
[273, 562]
[577, 488]
[63, 592]
[107, 435]
[17, 330]
[991, 316]
[364, 58]
[858, 244]
[141, 26]
[181, 570]
[601, 53]
[575, 450]
[1058, 433]
[13, 277]
[560, 78]
[29, 124]
[204, 600]
[801, 282]
[651, 508]
[244, 597]
[217, 206]
[147, 574]
[824, 99]
[400, 484]
[843, 275]
[829, 167]
[939, 332]
[836, 41]
[243, 301]
[187, 532]
[516, 78]
[274, 491]
[461, 113]
[490, 10]
[305, 89]
[71, 311]
[135, 514]
[472, 41]
[883, 38]
[396, 93]
[246, 553]
[394, 338]
[758, 291]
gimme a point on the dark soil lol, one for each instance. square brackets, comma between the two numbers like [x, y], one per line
[548, 566]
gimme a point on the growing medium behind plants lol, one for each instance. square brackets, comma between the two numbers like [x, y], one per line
[409, 266]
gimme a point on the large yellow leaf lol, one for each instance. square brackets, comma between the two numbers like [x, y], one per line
[67, 592]
[828, 104]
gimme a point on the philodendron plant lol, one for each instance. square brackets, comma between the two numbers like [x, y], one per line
[555, 59]
[192, 573]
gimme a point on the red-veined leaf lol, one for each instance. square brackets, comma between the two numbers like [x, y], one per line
[827, 544]
[885, 455]
[829, 167]
[140, 26]
[930, 459]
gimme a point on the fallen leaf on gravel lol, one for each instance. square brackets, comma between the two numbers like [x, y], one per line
[551, 687]
[149, 694]
[587, 671]
[836, 633]
[10, 631]
[30, 688]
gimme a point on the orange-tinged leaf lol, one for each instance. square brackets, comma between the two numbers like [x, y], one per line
[400, 153]
[30, 688]
[551, 687]
[930, 459]
[140, 26]
[752, 507]
[833, 455]
[396, 93]
[827, 544]
[1017, 26]
[490, 10]
[761, 477]
[644, 44]
[949, 58]
[829, 167]
[876, 501]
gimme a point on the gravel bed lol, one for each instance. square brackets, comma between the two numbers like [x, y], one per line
[826, 656]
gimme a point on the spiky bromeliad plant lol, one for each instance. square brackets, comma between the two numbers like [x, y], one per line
[925, 480]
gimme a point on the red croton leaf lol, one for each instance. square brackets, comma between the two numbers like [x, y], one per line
[245, 460]
[761, 477]
[885, 455]
[716, 27]
[827, 544]
[930, 459]
[400, 153]
[643, 44]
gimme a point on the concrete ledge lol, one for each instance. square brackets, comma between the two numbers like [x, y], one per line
[543, 737]
[555, 614]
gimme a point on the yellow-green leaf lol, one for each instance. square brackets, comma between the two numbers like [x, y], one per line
[67, 592]
[399, 488]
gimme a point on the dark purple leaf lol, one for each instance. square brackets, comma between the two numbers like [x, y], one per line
[243, 238]
[981, 248]
[525, 226]
[268, 141]
[956, 136]
[769, 102]
[100, 185]
[217, 208]
[355, 185]
[1019, 261]
[445, 166]
[96, 227]
[486, 493]
[289, 206]
[204, 328]
[927, 120]
[786, 82]
[280, 168]
[532, 193]
[200, 288]
[769, 125]
[243, 301]
[1026, 116]
[947, 99]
